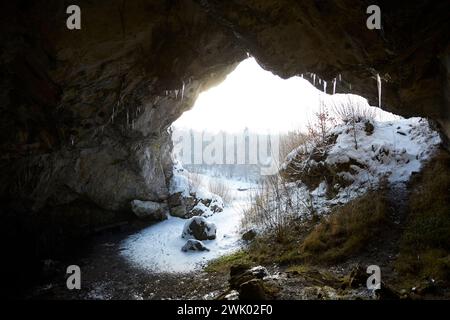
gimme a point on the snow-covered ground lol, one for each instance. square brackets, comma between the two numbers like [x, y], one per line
[395, 150]
[158, 247]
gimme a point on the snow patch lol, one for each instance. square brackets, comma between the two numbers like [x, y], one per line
[157, 248]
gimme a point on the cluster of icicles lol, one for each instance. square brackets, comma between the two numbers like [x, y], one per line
[177, 92]
[134, 113]
[131, 116]
[315, 79]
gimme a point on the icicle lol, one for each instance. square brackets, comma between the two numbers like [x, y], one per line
[320, 81]
[176, 94]
[340, 77]
[324, 86]
[314, 79]
[182, 92]
[112, 116]
[301, 75]
[167, 92]
[248, 55]
[72, 140]
[350, 86]
[379, 90]
[334, 86]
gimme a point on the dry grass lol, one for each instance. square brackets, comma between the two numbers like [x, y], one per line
[265, 249]
[224, 263]
[351, 110]
[330, 240]
[346, 231]
[290, 141]
[271, 207]
[425, 244]
[220, 188]
[195, 180]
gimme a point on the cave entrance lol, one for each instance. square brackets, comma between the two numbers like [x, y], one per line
[243, 128]
[234, 129]
[235, 136]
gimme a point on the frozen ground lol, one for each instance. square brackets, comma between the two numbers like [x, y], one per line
[395, 150]
[158, 247]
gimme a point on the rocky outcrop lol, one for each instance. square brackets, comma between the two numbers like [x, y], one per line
[188, 199]
[150, 210]
[194, 245]
[249, 235]
[199, 228]
[85, 113]
[363, 155]
[189, 206]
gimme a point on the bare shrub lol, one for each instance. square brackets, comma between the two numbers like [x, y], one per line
[220, 188]
[350, 109]
[321, 126]
[290, 141]
[273, 207]
[195, 180]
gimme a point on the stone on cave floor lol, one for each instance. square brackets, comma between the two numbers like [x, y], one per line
[318, 293]
[357, 277]
[199, 228]
[194, 245]
[149, 210]
[178, 211]
[189, 206]
[249, 235]
[252, 290]
[242, 273]
[387, 293]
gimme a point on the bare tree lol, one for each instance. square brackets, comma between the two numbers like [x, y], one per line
[320, 127]
[351, 111]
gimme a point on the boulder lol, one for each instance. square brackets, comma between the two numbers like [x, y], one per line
[252, 290]
[242, 273]
[201, 210]
[387, 293]
[149, 210]
[181, 205]
[200, 229]
[194, 245]
[251, 283]
[187, 206]
[368, 127]
[213, 202]
[249, 235]
[357, 277]
[178, 211]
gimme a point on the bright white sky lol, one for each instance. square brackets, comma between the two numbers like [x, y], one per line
[255, 98]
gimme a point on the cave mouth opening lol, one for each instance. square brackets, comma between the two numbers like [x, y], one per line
[236, 135]
[244, 127]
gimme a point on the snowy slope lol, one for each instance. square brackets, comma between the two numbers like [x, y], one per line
[394, 150]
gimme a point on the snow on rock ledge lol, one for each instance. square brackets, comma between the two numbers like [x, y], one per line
[395, 149]
[194, 245]
[200, 229]
[187, 200]
[355, 159]
[149, 209]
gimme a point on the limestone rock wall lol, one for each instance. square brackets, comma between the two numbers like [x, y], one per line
[85, 113]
